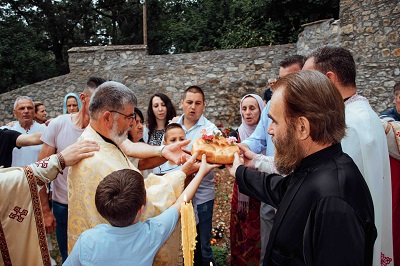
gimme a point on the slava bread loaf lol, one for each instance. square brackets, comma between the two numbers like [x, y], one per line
[217, 150]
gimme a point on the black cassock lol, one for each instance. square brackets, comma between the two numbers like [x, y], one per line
[325, 214]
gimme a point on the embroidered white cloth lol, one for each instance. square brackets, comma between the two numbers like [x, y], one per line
[22, 231]
[365, 142]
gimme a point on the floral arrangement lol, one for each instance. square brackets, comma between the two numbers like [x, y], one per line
[225, 131]
[216, 135]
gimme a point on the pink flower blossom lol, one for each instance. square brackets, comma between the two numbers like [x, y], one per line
[232, 140]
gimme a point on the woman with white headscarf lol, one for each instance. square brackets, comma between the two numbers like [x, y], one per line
[72, 103]
[245, 211]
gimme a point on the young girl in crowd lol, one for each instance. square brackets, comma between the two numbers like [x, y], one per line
[159, 112]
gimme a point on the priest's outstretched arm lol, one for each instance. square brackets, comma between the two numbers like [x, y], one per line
[172, 152]
[267, 187]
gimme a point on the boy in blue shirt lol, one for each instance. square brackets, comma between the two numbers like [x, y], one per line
[120, 199]
[173, 133]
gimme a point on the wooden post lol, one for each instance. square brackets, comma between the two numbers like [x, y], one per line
[144, 22]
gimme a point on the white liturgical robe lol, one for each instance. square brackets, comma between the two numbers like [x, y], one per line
[365, 142]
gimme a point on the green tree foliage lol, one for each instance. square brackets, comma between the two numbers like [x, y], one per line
[51, 27]
[249, 25]
[64, 24]
[122, 19]
[21, 59]
[198, 25]
[191, 25]
[289, 15]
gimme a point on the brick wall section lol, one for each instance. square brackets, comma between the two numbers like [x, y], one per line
[369, 28]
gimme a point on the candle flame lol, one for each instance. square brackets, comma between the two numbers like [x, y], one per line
[184, 198]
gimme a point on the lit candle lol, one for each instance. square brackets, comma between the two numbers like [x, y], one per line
[189, 233]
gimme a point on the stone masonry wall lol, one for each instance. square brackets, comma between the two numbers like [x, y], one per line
[369, 28]
[225, 76]
[318, 33]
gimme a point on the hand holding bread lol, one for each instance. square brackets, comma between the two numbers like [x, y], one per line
[218, 149]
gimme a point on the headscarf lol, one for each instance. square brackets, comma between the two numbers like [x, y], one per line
[77, 100]
[244, 132]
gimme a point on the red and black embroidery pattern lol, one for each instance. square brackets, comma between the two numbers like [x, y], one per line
[61, 160]
[37, 210]
[385, 260]
[3, 248]
[44, 163]
[18, 214]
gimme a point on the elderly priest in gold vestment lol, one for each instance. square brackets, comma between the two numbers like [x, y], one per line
[111, 117]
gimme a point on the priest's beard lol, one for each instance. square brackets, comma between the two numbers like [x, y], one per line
[288, 151]
[118, 136]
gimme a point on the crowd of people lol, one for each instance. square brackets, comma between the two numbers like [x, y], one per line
[316, 181]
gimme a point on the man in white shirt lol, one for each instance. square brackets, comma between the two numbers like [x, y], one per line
[193, 122]
[24, 111]
[62, 132]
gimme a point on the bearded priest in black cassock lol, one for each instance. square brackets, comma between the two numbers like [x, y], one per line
[325, 214]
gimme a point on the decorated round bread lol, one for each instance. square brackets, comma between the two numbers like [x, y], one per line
[217, 149]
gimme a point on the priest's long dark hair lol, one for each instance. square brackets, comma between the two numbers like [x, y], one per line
[310, 94]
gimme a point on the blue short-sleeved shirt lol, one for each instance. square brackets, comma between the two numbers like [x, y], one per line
[136, 244]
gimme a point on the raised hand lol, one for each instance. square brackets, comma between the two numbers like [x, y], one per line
[191, 166]
[248, 156]
[236, 162]
[174, 152]
[205, 167]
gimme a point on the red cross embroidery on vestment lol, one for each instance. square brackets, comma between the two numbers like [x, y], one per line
[20, 215]
[43, 163]
[385, 260]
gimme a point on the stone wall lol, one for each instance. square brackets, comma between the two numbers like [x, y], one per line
[370, 29]
[318, 33]
[225, 76]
